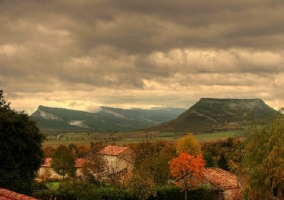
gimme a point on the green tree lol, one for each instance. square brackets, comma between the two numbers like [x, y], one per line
[95, 163]
[73, 148]
[63, 161]
[152, 160]
[189, 144]
[208, 157]
[20, 150]
[222, 162]
[264, 159]
[140, 186]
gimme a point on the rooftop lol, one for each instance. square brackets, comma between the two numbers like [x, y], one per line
[10, 195]
[79, 162]
[220, 178]
[113, 150]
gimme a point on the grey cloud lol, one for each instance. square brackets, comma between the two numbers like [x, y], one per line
[148, 46]
[141, 27]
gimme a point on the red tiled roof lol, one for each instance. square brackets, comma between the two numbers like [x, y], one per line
[10, 195]
[78, 162]
[47, 162]
[112, 150]
[220, 178]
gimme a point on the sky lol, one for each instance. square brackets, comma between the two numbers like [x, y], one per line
[85, 54]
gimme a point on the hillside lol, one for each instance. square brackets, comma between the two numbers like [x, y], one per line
[106, 120]
[213, 115]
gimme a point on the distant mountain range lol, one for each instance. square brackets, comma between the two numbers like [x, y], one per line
[210, 115]
[106, 120]
[207, 115]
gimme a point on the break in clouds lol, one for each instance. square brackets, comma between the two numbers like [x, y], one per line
[82, 55]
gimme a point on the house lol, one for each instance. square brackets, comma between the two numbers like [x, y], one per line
[46, 171]
[79, 162]
[223, 182]
[220, 182]
[118, 158]
[10, 195]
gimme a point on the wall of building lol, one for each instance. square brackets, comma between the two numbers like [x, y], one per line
[48, 173]
[120, 162]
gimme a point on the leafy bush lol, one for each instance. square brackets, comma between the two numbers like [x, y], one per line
[74, 190]
[47, 195]
[113, 193]
[38, 186]
[169, 192]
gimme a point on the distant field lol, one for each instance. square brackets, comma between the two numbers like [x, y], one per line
[121, 138]
[206, 137]
[56, 143]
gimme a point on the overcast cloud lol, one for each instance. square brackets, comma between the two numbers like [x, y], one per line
[85, 54]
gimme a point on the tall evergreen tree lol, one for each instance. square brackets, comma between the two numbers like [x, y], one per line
[222, 162]
[20, 150]
[208, 157]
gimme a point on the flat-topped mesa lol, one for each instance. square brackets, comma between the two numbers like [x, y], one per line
[233, 104]
[213, 114]
[231, 100]
[246, 105]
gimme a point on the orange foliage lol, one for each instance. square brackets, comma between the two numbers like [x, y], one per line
[187, 170]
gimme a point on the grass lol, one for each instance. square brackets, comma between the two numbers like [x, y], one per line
[167, 134]
[53, 185]
[123, 138]
[207, 137]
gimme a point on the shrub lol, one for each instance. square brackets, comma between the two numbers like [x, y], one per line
[82, 190]
[169, 192]
[113, 193]
[73, 190]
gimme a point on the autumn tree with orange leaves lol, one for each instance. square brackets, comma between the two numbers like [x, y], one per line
[187, 171]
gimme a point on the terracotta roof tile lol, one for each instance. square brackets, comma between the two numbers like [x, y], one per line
[112, 150]
[79, 162]
[10, 195]
[221, 178]
[47, 162]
